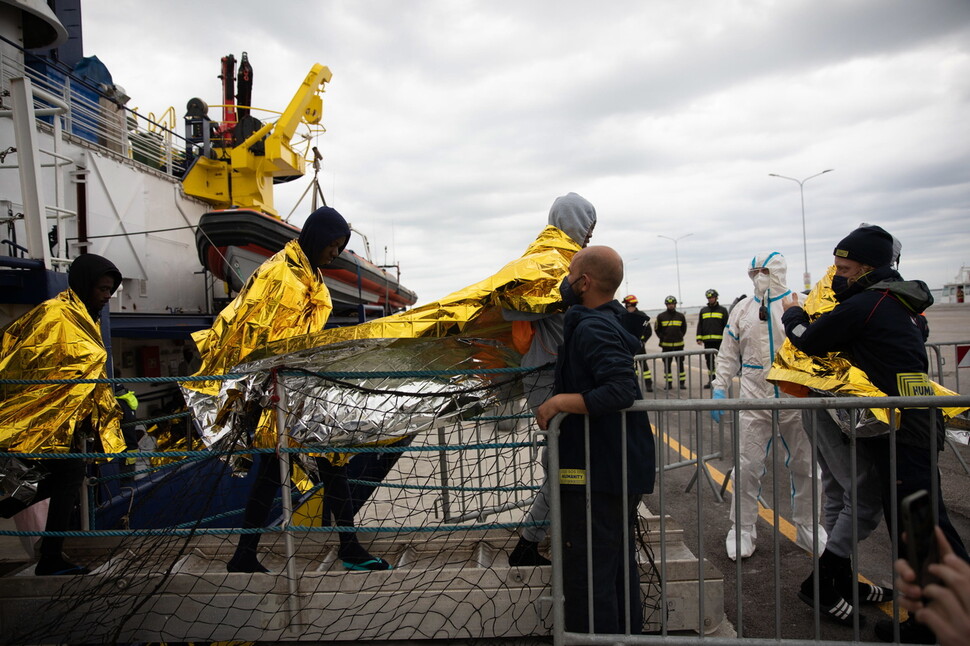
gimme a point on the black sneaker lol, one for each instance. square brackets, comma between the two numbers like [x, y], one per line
[910, 632]
[526, 554]
[57, 566]
[869, 593]
[838, 610]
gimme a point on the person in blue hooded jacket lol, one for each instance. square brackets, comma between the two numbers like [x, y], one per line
[595, 377]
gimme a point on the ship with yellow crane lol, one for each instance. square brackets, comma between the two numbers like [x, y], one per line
[186, 216]
[233, 165]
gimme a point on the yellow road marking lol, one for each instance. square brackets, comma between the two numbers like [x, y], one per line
[785, 527]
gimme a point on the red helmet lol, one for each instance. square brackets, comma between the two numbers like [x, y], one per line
[630, 300]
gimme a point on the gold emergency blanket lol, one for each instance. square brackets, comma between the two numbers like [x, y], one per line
[797, 373]
[283, 298]
[55, 340]
[528, 284]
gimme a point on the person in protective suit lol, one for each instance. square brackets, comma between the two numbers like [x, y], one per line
[637, 323]
[710, 330]
[671, 328]
[71, 412]
[575, 216]
[754, 334]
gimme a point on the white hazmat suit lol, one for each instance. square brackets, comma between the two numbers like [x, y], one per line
[753, 334]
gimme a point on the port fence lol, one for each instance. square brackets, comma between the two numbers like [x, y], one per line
[944, 369]
[945, 363]
[466, 483]
[686, 432]
[756, 606]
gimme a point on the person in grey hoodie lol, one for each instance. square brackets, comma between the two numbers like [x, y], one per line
[576, 217]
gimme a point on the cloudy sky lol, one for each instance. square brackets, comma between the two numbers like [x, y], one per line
[452, 126]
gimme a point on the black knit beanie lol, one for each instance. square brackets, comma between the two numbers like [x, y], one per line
[871, 245]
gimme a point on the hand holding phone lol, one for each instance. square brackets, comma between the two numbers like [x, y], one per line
[921, 546]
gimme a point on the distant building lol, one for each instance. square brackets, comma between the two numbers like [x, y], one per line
[957, 291]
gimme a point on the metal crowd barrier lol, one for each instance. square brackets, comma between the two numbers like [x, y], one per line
[944, 363]
[944, 369]
[684, 430]
[656, 408]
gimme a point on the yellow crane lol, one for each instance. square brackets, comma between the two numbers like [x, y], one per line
[241, 175]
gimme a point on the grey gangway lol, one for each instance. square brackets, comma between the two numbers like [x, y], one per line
[447, 518]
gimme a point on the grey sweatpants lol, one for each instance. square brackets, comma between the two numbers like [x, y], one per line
[836, 463]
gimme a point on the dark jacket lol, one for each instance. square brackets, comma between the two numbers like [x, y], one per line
[596, 360]
[637, 323]
[711, 322]
[878, 325]
[671, 328]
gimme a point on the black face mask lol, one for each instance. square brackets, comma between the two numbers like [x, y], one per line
[569, 297]
[841, 288]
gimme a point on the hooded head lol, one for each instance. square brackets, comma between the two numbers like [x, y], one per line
[85, 279]
[325, 234]
[768, 274]
[869, 245]
[574, 215]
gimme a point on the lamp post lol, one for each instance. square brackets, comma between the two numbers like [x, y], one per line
[677, 260]
[807, 277]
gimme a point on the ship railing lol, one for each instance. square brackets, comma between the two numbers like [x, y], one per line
[756, 605]
[97, 117]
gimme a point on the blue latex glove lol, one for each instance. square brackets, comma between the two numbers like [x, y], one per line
[717, 394]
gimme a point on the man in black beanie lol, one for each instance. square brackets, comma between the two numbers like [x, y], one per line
[878, 324]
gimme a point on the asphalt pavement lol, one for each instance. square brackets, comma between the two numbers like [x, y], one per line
[770, 578]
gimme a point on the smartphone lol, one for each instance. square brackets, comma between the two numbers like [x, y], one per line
[921, 546]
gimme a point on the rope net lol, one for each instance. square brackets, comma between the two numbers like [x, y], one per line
[443, 507]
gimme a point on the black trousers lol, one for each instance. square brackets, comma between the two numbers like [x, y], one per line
[711, 358]
[337, 501]
[912, 474]
[364, 469]
[668, 375]
[611, 524]
[63, 486]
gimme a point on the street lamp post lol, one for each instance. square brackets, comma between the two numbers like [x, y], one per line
[677, 260]
[807, 277]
